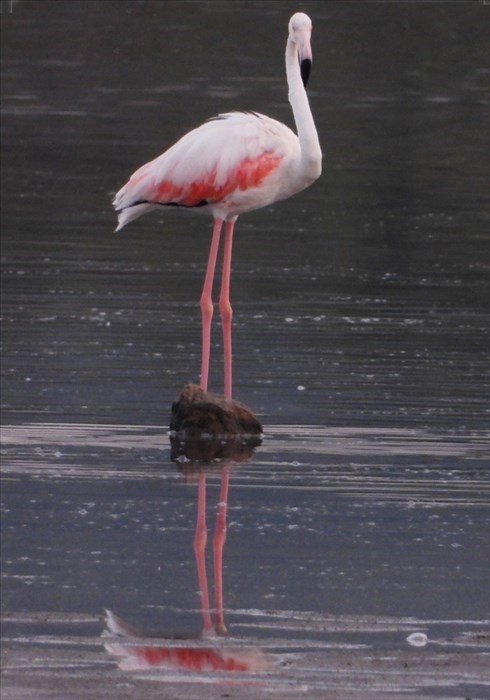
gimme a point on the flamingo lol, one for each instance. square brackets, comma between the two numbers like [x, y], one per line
[234, 163]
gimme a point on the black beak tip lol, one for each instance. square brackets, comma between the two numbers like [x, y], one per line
[305, 69]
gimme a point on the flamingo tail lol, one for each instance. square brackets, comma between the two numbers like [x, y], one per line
[134, 212]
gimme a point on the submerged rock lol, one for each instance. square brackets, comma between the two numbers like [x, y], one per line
[201, 411]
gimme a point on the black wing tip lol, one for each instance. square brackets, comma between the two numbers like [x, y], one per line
[200, 203]
[228, 115]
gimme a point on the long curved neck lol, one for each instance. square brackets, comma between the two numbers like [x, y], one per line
[308, 137]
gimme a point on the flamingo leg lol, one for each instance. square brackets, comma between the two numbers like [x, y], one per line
[218, 543]
[200, 539]
[206, 303]
[225, 307]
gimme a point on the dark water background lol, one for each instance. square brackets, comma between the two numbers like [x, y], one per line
[368, 289]
[360, 307]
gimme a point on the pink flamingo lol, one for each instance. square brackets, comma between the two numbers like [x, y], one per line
[233, 163]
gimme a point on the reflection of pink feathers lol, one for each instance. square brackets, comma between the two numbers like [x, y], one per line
[234, 163]
[138, 657]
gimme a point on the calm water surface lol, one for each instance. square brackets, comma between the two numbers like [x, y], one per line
[360, 334]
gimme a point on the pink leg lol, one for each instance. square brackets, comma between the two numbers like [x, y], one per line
[200, 538]
[218, 543]
[225, 307]
[207, 304]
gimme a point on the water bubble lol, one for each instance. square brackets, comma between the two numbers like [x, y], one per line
[417, 639]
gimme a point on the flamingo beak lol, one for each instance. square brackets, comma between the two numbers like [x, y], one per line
[305, 69]
[305, 60]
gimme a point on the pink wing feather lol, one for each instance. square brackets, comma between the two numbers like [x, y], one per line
[233, 152]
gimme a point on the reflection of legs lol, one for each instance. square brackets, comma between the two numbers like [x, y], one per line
[200, 538]
[218, 543]
[225, 307]
[207, 304]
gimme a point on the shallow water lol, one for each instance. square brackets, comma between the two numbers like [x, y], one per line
[341, 544]
[360, 339]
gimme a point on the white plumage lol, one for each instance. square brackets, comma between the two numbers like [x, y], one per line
[213, 155]
[236, 162]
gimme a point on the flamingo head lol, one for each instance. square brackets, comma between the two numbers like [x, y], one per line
[300, 34]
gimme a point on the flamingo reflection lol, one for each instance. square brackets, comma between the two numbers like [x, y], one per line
[126, 643]
[208, 434]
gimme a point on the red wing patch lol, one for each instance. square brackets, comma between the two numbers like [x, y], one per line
[249, 173]
[195, 659]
